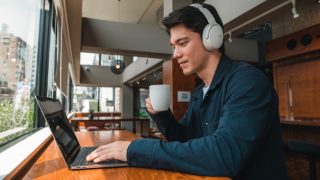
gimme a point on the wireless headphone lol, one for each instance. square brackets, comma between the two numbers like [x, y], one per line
[212, 35]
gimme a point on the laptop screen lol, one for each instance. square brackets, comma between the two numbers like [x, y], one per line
[60, 126]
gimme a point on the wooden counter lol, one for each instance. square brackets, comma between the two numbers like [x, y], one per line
[50, 164]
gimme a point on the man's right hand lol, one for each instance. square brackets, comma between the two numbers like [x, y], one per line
[149, 106]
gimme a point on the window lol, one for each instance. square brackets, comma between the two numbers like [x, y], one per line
[19, 23]
[98, 99]
[89, 58]
[98, 59]
[52, 63]
[85, 99]
[106, 59]
[109, 100]
[26, 30]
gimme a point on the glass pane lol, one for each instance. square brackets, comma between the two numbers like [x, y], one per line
[19, 23]
[117, 99]
[106, 99]
[52, 63]
[85, 99]
[89, 58]
[109, 99]
[106, 59]
[61, 97]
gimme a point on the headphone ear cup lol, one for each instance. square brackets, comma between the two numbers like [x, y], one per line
[212, 36]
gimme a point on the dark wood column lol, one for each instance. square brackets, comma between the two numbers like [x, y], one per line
[173, 75]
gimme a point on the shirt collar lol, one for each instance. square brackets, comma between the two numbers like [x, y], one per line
[223, 67]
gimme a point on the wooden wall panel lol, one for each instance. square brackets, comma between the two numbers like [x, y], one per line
[300, 83]
[173, 75]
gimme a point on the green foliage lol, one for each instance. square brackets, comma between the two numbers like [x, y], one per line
[11, 118]
[6, 111]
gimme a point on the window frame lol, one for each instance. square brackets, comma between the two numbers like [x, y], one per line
[46, 20]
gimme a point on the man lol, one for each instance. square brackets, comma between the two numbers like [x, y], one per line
[231, 127]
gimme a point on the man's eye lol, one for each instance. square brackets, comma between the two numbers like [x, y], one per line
[183, 44]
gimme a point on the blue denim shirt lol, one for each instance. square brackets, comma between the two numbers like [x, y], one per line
[234, 130]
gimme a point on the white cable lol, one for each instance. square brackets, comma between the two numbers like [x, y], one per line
[259, 16]
[230, 36]
[294, 10]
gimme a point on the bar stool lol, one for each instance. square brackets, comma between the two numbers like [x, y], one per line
[312, 151]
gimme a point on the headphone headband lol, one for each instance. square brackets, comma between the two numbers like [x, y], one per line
[205, 12]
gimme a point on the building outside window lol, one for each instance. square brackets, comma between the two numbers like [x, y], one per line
[19, 23]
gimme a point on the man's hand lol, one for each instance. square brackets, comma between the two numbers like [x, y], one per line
[149, 106]
[116, 150]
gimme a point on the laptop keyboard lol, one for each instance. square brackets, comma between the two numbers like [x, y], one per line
[81, 158]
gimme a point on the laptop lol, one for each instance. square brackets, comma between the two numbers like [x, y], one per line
[73, 154]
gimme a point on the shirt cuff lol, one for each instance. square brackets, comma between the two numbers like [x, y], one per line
[162, 119]
[140, 152]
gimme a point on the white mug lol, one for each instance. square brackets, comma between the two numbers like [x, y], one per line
[160, 97]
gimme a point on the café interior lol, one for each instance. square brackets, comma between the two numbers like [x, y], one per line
[108, 53]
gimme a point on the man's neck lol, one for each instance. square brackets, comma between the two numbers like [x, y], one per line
[207, 74]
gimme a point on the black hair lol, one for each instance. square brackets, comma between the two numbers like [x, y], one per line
[193, 19]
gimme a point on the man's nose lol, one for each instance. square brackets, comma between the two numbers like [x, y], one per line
[176, 53]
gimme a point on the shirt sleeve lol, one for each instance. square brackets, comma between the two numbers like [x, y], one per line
[244, 123]
[169, 126]
[173, 129]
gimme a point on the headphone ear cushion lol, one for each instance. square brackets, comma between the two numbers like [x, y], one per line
[212, 36]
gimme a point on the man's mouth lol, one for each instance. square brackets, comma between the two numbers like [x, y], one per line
[182, 63]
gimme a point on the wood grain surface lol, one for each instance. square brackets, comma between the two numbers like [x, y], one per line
[50, 164]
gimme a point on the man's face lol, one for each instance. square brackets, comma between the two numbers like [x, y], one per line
[188, 49]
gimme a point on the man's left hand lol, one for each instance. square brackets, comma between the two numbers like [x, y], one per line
[116, 150]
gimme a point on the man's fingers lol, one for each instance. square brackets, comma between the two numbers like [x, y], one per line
[149, 105]
[101, 148]
[99, 156]
[91, 156]
[115, 150]
[102, 157]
